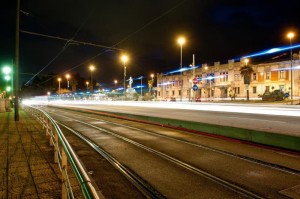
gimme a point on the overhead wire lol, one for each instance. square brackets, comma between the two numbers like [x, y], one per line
[61, 51]
[122, 40]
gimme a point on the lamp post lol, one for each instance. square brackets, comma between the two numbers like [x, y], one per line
[116, 81]
[181, 41]
[291, 35]
[209, 78]
[152, 78]
[68, 77]
[124, 59]
[59, 80]
[87, 85]
[141, 86]
[92, 68]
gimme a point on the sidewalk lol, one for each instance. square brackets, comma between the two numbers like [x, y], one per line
[27, 169]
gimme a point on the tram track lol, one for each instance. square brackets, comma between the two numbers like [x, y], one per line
[245, 158]
[228, 184]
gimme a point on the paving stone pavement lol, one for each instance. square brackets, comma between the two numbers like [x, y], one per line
[27, 169]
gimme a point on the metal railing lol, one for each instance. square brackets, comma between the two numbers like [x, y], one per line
[64, 154]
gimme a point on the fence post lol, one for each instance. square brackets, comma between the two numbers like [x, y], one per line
[56, 148]
[64, 177]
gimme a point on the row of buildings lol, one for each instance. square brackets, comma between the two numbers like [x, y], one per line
[224, 81]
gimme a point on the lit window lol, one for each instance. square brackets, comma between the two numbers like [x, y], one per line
[254, 89]
[254, 75]
[268, 74]
[282, 74]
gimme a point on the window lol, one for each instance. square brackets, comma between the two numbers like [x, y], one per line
[236, 77]
[268, 75]
[254, 89]
[173, 93]
[172, 83]
[237, 90]
[267, 88]
[254, 76]
[179, 92]
[159, 93]
[223, 76]
[282, 74]
[210, 78]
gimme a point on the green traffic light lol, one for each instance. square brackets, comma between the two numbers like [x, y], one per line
[6, 70]
[8, 88]
[7, 77]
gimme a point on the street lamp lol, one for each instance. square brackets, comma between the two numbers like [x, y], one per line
[209, 78]
[181, 41]
[291, 35]
[152, 78]
[87, 85]
[116, 81]
[92, 68]
[59, 80]
[124, 59]
[246, 61]
[68, 77]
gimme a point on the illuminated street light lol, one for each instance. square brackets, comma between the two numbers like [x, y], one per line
[246, 61]
[59, 80]
[152, 78]
[181, 41]
[92, 68]
[116, 81]
[291, 35]
[68, 77]
[124, 59]
[87, 85]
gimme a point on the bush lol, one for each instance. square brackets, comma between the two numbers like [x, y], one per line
[276, 95]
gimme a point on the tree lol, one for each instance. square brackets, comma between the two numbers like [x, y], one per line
[246, 72]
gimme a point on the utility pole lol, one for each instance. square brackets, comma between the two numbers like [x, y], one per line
[16, 71]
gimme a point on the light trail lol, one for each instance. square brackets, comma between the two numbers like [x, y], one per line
[233, 108]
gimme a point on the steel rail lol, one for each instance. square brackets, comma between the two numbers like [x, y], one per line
[198, 171]
[241, 157]
[88, 190]
[144, 187]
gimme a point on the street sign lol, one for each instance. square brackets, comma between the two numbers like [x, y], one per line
[195, 87]
[195, 80]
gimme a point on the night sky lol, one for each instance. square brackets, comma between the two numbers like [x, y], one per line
[215, 30]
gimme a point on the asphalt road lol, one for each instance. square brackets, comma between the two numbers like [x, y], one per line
[281, 119]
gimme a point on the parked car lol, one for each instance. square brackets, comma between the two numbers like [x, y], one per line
[170, 99]
[197, 99]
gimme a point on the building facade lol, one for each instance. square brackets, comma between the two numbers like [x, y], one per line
[224, 81]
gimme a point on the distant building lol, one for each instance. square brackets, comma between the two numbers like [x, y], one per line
[224, 81]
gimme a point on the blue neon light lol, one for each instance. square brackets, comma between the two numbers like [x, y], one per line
[273, 50]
